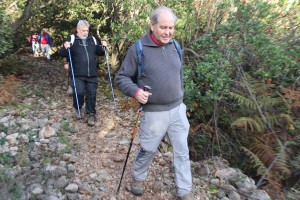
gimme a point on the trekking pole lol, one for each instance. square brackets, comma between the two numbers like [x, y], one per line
[146, 88]
[68, 79]
[76, 96]
[112, 89]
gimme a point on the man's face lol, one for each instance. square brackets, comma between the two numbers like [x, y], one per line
[164, 29]
[83, 32]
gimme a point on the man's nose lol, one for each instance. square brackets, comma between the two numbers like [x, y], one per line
[167, 31]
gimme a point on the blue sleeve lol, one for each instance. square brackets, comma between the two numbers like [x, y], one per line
[49, 40]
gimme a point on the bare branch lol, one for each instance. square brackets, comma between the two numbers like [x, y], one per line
[41, 7]
[27, 13]
[193, 52]
[25, 16]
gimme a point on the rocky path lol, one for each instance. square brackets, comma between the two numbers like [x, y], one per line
[52, 155]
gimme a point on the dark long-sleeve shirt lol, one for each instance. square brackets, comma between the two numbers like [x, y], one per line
[84, 56]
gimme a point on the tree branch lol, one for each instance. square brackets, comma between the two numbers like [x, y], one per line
[25, 16]
[27, 13]
[193, 52]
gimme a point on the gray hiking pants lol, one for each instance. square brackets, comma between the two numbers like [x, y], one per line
[154, 126]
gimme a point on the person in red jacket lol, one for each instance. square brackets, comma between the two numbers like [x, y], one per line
[46, 42]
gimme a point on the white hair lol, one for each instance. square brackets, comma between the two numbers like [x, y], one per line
[155, 14]
[83, 23]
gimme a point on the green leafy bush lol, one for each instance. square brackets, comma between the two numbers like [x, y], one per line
[249, 37]
[251, 53]
[6, 34]
[15, 65]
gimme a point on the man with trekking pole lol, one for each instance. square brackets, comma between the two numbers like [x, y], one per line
[81, 51]
[164, 112]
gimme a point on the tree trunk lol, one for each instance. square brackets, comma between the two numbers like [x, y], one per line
[28, 12]
[25, 16]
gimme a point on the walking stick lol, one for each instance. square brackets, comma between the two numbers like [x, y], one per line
[68, 81]
[76, 96]
[146, 88]
[112, 89]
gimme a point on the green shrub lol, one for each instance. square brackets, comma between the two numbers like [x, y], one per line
[252, 52]
[250, 37]
[6, 34]
[15, 65]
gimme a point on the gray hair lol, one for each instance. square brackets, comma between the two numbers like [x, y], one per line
[155, 14]
[83, 23]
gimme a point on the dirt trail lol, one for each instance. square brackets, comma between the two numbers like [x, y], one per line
[79, 162]
[100, 150]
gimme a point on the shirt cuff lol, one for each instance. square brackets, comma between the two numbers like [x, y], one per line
[136, 92]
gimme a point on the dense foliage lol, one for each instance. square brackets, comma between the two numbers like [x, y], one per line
[237, 85]
[241, 69]
[6, 34]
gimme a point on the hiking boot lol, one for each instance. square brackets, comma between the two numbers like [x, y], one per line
[70, 91]
[91, 119]
[186, 197]
[81, 114]
[137, 187]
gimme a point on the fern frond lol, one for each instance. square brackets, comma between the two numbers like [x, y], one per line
[288, 119]
[268, 101]
[247, 123]
[258, 164]
[272, 119]
[260, 122]
[282, 162]
[261, 89]
[265, 153]
[248, 103]
[250, 83]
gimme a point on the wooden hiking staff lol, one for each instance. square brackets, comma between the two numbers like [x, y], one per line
[146, 88]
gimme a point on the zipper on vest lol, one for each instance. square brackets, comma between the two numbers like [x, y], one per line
[164, 51]
[87, 54]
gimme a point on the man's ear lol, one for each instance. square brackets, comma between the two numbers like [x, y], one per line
[151, 26]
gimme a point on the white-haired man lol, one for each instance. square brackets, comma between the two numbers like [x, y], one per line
[163, 109]
[84, 52]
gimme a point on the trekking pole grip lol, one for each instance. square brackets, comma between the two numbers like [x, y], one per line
[145, 88]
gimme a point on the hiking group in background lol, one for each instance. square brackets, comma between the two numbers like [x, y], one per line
[41, 43]
[81, 51]
[46, 43]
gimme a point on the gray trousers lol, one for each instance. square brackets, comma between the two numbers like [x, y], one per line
[46, 50]
[154, 126]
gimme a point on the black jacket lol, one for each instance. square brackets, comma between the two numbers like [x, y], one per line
[83, 57]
